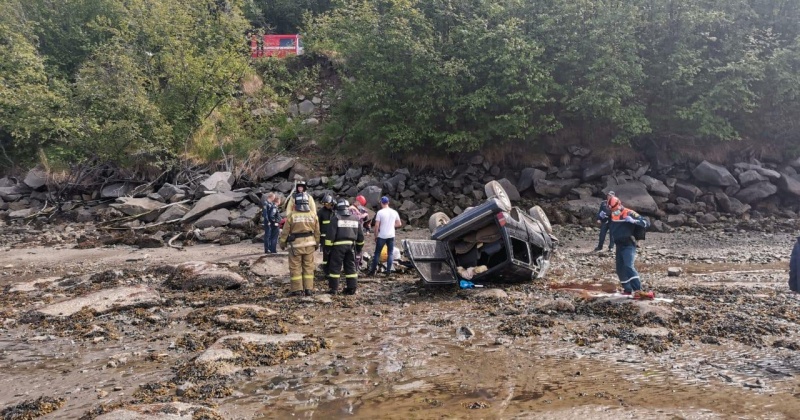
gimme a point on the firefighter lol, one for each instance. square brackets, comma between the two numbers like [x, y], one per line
[301, 188]
[346, 238]
[324, 215]
[301, 235]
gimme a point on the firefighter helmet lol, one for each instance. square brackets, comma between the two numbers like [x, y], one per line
[343, 207]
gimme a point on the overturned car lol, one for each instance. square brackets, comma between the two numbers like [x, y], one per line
[491, 242]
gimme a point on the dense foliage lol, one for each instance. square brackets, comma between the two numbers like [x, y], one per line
[117, 80]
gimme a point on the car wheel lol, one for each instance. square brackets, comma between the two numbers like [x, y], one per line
[437, 220]
[494, 190]
[537, 213]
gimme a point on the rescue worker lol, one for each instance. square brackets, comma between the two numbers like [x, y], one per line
[301, 234]
[346, 238]
[623, 222]
[301, 188]
[324, 215]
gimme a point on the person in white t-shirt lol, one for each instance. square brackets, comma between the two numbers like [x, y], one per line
[386, 221]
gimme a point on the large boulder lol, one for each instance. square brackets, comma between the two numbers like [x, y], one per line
[738, 208]
[597, 170]
[634, 196]
[713, 174]
[116, 190]
[528, 177]
[36, 178]
[353, 173]
[723, 202]
[555, 188]
[586, 207]
[219, 182]
[105, 300]
[145, 208]
[173, 212]
[750, 177]
[279, 165]
[212, 202]
[373, 195]
[655, 186]
[216, 218]
[511, 190]
[219, 352]
[168, 191]
[306, 107]
[394, 184]
[756, 192]
[789, 185]
[198, 275]
[687, 191]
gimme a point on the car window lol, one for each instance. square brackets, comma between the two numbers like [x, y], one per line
[286, 42]
[520, 250]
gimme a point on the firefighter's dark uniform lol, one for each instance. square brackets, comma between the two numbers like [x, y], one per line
[303, 225]
[345, 237]
[324, 215]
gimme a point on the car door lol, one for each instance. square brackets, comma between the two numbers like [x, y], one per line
[432, 260]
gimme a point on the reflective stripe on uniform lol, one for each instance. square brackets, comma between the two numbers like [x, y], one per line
[351, 276]
[328, 243]
[326, 222]
[343, 243]
[360, 243]
[334, 276]
[297, 278]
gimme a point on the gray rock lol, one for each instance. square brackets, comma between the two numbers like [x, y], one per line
[279, 165]
[674, 271]
[676, 220]
[36, 178]
[373, 195]
[216, 218]
[556, 188]
[464, 333]
[285, 187]
[10, 194]
[597, 170]
[117, 190]
[212, 202]
[655, 186]
[580, 151]
[306, 107]
[586, 207]
[84, 216]
[713, 174]
[437, 193]
[145, 208]
[687, 191]
[407, 206]
[493, 293]
[738, 208]
[476, 160]
[160, 411]
[750, 177]
[707, 219]
[7, 182]
[310, 121]
[511, 190]
[556, 305]
[789, 185]
[219, 182]
[173, 212]
[21, 214]
[139, 296]
[769, 173]
[293, 110]
[723, 202]
[634, 196]
[199, 275]
[756, 192]
[417, 214]
[528, 177]
[353, 173]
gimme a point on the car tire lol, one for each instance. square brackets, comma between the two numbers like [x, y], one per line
[437, 220]
[537, 213]
[494, 190]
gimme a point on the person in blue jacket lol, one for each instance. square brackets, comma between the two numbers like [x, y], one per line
[603, 217]
[623, 222]
[794, 268]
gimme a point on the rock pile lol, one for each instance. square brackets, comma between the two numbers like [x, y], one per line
[213, 209]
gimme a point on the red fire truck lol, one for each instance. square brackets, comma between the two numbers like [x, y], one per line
[275, 45]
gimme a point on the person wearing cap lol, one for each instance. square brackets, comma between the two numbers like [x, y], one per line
[623, 222]
[301, 235]
[386, 221]
[272, 217]
[604, 220]
[300, 188]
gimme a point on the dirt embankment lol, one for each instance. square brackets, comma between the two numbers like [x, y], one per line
[724, 344]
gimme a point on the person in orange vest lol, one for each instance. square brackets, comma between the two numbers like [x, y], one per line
[623, 221]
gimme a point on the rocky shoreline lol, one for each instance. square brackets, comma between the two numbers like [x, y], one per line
[214, 208]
